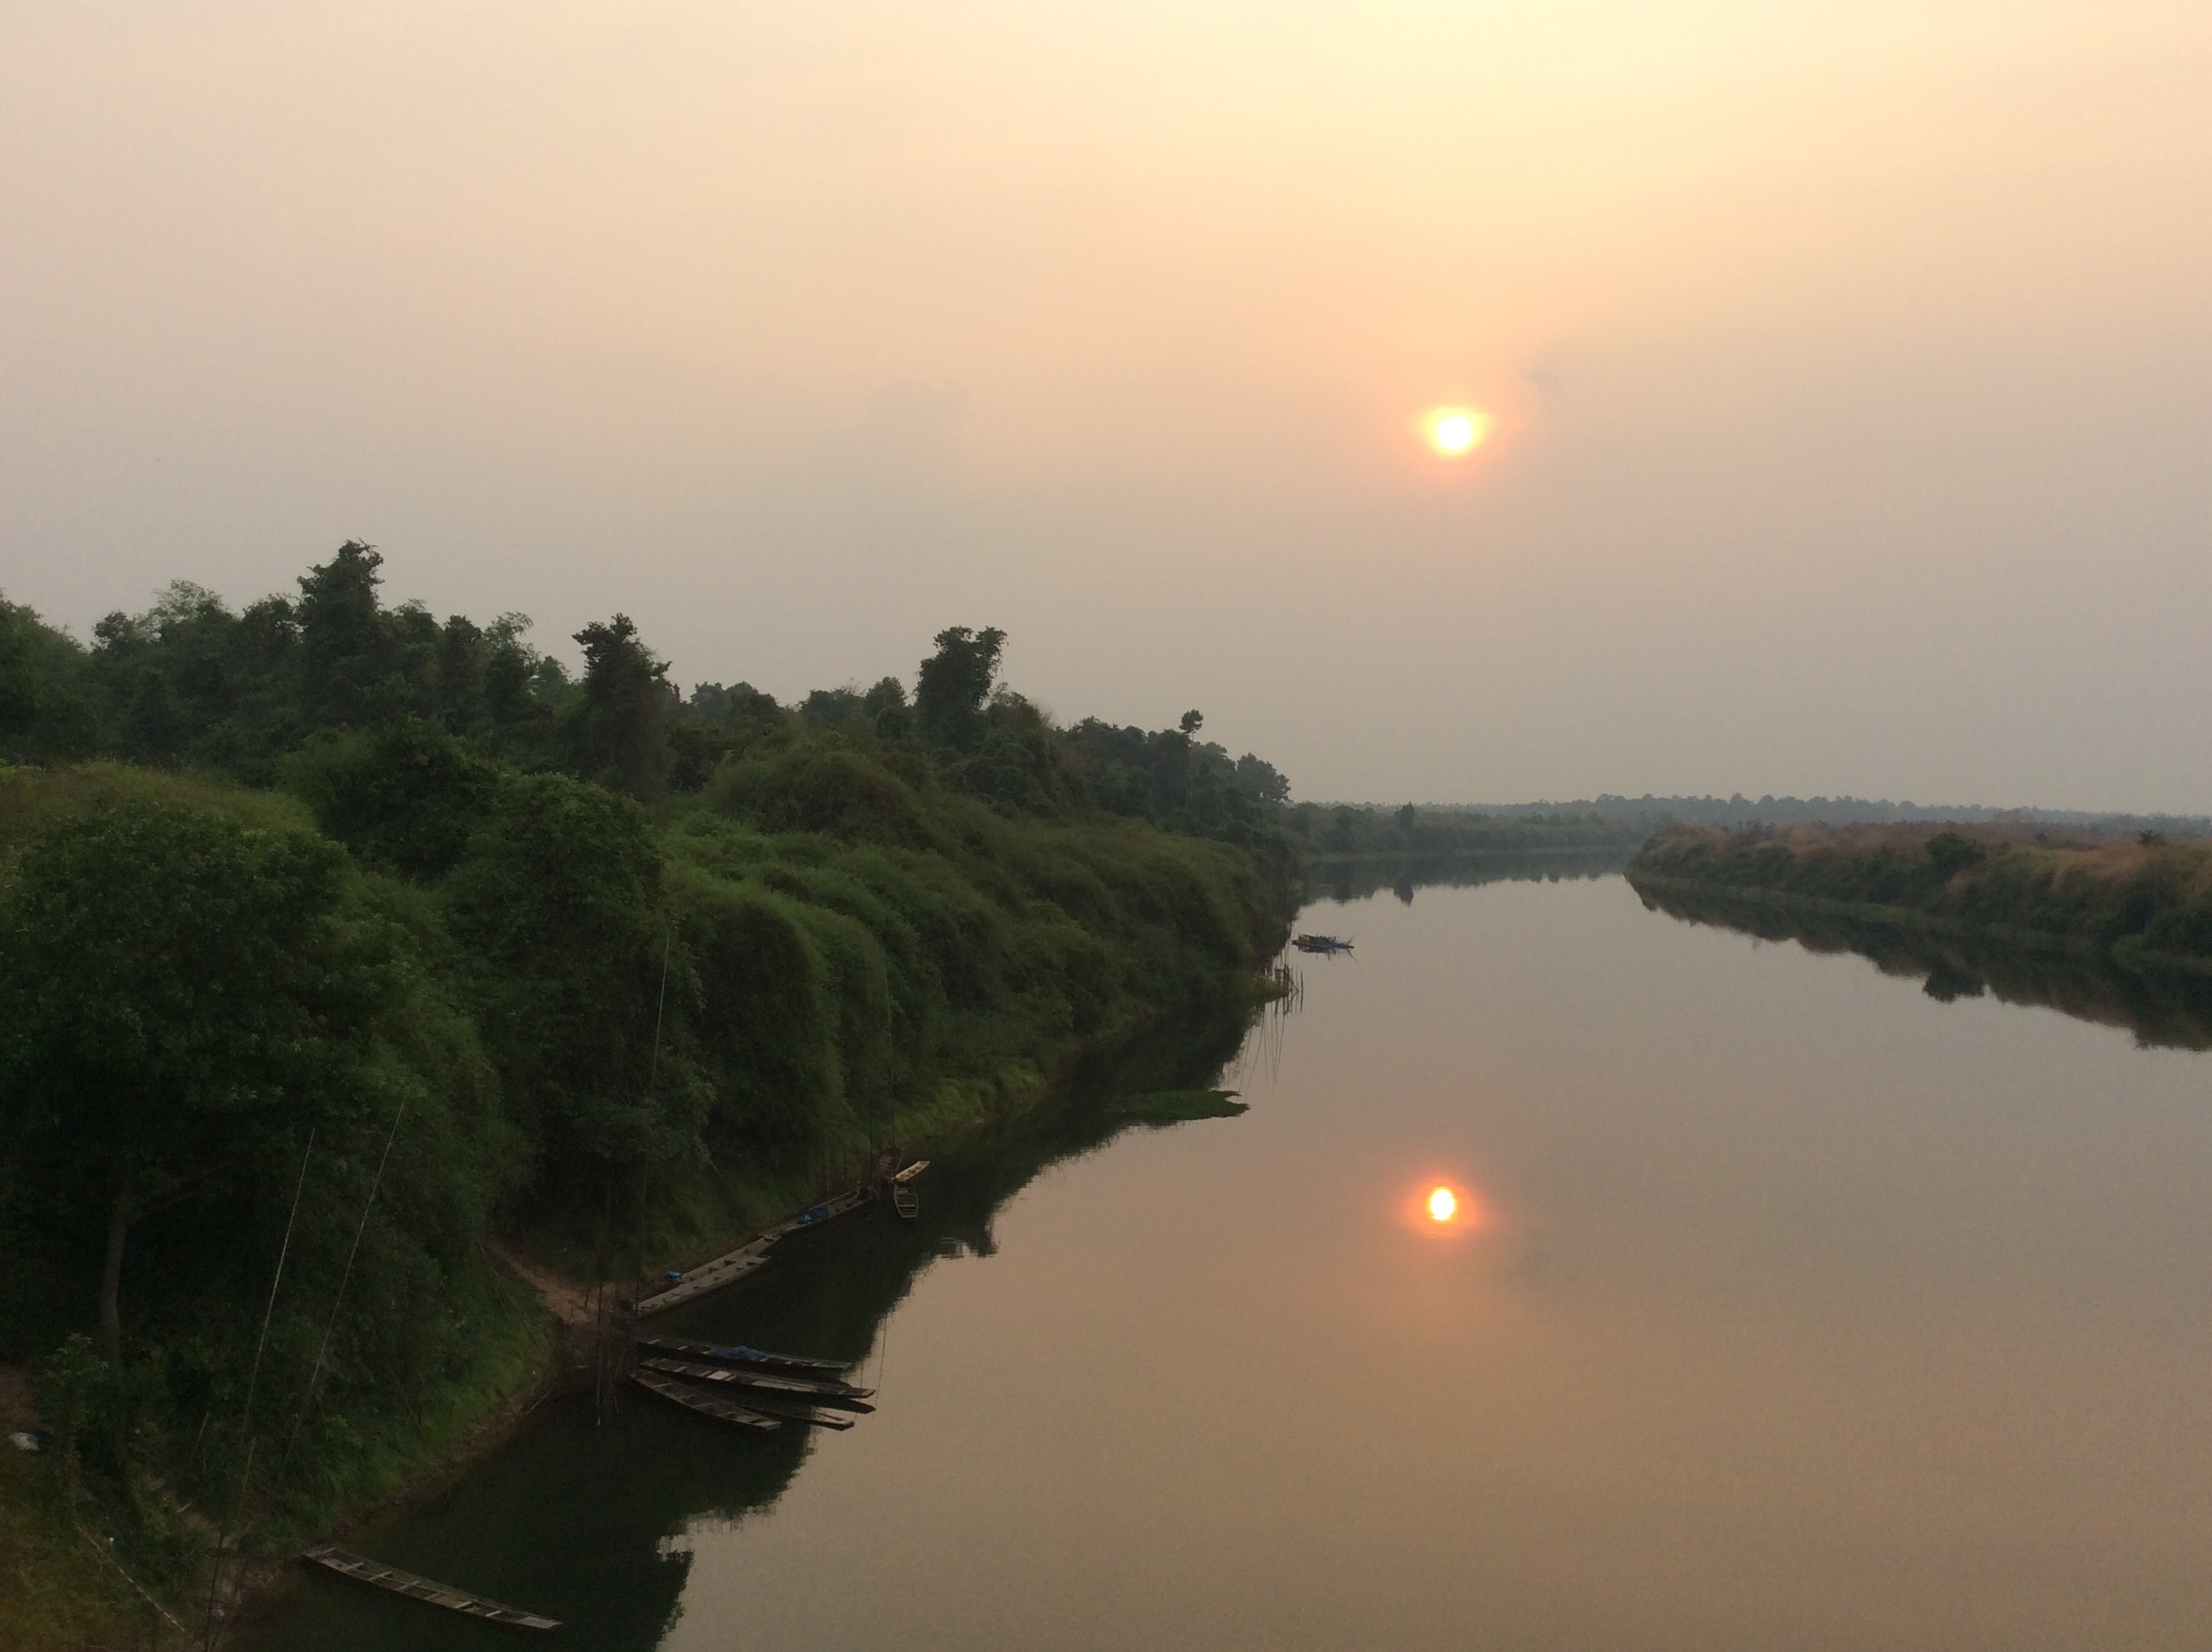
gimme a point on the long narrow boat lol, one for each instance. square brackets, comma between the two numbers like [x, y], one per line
[829, 1209]
[347, 1564]
[748, 1258]
[706, 1405]
[841, 1394]
[794, 1409]
[759, 1358]
[912, 1171]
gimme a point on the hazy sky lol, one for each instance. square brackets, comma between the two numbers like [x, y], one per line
[1851, 364]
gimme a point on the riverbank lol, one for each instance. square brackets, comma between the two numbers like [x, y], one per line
[2167, 1009]
[73, 1590]
[566, 1296]
[2143, 903]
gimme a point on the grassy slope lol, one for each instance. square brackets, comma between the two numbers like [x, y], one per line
[55, 1594]
[2142, 904]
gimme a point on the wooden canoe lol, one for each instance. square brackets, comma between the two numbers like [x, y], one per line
[759, 1358]
[347, 1564]
[794, 1409]
[842, 1395]
[706, 1405]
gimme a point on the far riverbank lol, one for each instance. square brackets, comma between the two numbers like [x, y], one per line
[2143, 903]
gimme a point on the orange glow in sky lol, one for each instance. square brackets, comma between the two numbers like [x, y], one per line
[1442, 1209]
[1458, 431]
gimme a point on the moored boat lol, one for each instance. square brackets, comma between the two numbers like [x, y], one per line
[706, 1405]
[843, 1394]
[758, 1358]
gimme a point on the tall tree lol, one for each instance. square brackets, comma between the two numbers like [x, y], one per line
[173, 988]
[620, 728]
[344, 651]
[46, 713]
[954, 683]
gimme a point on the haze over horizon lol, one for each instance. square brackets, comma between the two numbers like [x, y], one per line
[1851, 368]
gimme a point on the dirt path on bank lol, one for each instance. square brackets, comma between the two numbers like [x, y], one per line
[571, 1303]
[17, 1409]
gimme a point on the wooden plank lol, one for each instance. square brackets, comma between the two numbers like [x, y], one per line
[706, 1405]
[346, 1563]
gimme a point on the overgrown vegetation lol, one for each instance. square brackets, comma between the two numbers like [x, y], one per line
[335, 939]
[2143, 901]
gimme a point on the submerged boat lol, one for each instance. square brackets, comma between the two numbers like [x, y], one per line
[1319, 943]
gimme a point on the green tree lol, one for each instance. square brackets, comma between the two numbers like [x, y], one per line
[558, 904]
[1952, 852]
[404, 795]
[620, 728]
[45, 712]
[345, 650]
[175, 988]
[955, 682]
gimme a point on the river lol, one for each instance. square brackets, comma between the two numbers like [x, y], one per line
[1790, 1303]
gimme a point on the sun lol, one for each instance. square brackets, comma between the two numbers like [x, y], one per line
[1458, 431]
[1444, 1204]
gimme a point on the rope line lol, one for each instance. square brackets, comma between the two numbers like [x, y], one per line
[315, 1376]
[253, 1381]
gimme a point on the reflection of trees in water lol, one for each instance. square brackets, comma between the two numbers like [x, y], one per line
[585, 1523]
[2161, 1009]
[1357, 880]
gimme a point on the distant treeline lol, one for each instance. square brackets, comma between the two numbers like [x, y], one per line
[1328, 832]
[2143, 901]
[335, 933]
[1359, 878]
[1740, 811]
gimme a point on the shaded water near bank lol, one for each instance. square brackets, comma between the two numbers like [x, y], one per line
[1802, 1307]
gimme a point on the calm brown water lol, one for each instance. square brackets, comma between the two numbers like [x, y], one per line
[1805, 1310]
